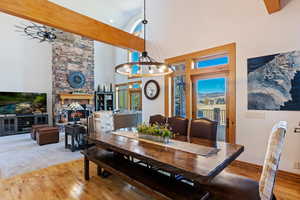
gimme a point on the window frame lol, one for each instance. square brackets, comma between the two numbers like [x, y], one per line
[228, 70]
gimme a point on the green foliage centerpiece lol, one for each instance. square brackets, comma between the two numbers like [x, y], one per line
[155, 133]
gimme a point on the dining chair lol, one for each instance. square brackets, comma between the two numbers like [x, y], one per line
[91, 124]
[157, 119]
[227, 186]
[203, 128]
[125, 121]
[179, 126]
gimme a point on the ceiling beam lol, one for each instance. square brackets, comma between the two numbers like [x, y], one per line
[273, 5]
[51, 14]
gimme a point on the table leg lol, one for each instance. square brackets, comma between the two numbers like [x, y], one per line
[86, 168]
[66, 141]
[73, 144]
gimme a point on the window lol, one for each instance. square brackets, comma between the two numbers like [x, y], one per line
[129, 96]
[178, 90]
[122, 93]
[204, 87]
[210, 101]
[134, 55]
[135, 99]
[179, 96]
[212, 62]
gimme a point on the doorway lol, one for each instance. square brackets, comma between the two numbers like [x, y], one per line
[208, 80]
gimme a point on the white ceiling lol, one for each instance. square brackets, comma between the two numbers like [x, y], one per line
[114, 12]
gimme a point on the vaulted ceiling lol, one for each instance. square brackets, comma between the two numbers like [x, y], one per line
[114, 12]
[119, 12]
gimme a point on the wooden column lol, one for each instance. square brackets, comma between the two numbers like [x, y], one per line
[189, 88]
[167, 96]
[231, 105]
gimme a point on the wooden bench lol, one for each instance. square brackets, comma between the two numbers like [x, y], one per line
[157, 184]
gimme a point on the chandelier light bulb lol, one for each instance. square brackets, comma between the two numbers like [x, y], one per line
[151, 70]
[162, 68]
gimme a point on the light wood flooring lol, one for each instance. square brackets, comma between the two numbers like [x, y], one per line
[65, 181]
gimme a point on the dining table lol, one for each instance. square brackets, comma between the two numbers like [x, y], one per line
[173, 170]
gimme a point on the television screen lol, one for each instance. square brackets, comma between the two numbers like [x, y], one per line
[21, 103]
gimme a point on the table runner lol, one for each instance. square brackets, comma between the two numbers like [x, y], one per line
[174, 144]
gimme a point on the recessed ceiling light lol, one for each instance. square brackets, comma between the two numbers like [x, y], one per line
[111, 21]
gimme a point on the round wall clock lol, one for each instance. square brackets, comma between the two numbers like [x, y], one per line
[151, 89]
[76, 79]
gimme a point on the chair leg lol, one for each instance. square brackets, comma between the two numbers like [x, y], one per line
[273, 197]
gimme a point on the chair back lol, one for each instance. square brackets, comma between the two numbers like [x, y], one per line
[178, 125]
[157, 119]
[275, 146]
[91, 124]
[129, 120]
[204, 128]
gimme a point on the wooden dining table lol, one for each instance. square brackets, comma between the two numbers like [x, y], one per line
[158, 169]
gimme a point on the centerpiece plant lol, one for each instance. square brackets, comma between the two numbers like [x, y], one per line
[155, 132]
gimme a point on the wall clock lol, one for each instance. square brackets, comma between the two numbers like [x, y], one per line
[76, 79]
[151, 89]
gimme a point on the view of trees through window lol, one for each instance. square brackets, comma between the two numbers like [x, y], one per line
[129, 96]
[211, 99]
[178, 87]
[179, 96]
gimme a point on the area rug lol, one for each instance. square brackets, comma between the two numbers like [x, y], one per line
[20, 154]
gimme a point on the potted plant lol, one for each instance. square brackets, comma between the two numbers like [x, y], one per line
[155, 133]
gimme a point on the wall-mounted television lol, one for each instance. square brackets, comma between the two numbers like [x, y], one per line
[21, 103]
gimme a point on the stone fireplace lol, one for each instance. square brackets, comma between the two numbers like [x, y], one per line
[72, 53]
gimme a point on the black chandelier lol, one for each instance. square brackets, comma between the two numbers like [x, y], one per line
[146, 66]
[38, 32]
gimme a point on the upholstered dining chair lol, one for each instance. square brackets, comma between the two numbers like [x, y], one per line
[122, 121]
[179, 126]
[158, 119]
[227, 186]
[203, 128]
[91, 124]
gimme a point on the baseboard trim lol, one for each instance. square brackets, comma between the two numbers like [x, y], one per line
[258, 168]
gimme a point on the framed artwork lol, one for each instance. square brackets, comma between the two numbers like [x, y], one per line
[274, 82]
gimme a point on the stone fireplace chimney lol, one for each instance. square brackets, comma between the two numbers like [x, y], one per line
[71, 53]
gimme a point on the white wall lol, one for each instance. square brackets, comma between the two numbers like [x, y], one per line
[113, 12]
[156, 106]
[205, 24]
[25, 65]
[104, 63]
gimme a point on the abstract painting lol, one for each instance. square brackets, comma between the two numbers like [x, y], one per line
[274, 82]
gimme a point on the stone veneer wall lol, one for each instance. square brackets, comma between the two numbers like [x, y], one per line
[71, 52]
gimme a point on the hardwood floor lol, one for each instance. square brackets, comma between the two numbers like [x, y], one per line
[66, 181]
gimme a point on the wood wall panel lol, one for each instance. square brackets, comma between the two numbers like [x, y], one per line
[51, 14]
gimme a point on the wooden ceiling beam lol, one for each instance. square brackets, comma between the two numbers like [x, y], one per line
[273, 5]
[51, 14]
